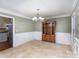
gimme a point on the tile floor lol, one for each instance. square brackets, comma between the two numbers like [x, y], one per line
[38, 49]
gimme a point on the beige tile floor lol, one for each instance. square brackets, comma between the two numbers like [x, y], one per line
[38, 49]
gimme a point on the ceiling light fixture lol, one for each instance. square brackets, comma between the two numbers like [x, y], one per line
[37, 17]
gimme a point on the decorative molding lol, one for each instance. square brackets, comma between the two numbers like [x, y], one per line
[65, 15]
[12, 13]
[20, 15]
[16, 14]
[76, 39]
[13, 19]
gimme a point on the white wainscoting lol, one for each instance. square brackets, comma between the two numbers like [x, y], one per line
[37, 36]
[76, 46]
[61, 38]
[21, 38]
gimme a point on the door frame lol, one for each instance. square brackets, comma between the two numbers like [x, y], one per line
[13, 20]
[73, 29]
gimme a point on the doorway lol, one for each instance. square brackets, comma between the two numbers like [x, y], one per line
[6, 33]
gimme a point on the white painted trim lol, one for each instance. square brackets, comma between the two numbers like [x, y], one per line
[77, 40]
[75, 43]
[20, 15]
[65, 15]
[6, 16]
[13, 13]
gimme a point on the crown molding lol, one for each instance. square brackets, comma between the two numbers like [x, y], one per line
[20, 15]
[2, 10]
[64, 15]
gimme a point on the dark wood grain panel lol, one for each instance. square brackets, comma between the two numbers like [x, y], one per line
[48, 31]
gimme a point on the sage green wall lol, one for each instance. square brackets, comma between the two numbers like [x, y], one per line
[38, 26]
[22, 24]
[63, 24]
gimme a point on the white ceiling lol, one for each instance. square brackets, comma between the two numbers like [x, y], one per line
[48, 8]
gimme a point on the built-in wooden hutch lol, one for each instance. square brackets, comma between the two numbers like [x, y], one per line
[48, 31]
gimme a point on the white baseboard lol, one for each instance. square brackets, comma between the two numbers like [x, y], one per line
[20, 38]
[62, 38]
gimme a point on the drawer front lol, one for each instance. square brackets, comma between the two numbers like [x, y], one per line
[48, 38]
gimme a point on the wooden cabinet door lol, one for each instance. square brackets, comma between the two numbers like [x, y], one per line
[44, 37]
[48, 32]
